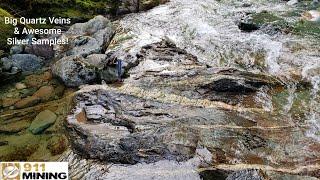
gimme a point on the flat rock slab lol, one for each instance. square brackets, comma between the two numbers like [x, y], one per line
[42, 121]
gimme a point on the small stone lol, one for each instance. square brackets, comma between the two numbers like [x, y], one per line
[20, 86]
[292, 2]
[27, 102]
[42, 121]
[45, 93]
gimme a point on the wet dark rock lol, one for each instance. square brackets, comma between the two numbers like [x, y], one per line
[233, 80]
[264, 21]
[247, 25]
[215, 174]
[3, 143]
[74, 71]
[109, 74]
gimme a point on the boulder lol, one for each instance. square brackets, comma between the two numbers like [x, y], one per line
[74, 71]
[42, 50]
[42, 121]
[23, 62]
[87, 38]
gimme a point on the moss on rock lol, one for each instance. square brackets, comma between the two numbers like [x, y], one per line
[6, 31]
[264, 17]
[307, 28]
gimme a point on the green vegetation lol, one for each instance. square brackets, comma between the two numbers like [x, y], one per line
[5, 31]
[78, 10]
[307, 28]
[264, 17]
[300, 27]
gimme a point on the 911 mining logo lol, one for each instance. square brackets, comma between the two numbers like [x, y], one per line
[33, 170]
[10, 171]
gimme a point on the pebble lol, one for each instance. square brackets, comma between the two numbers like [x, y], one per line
[20, 86]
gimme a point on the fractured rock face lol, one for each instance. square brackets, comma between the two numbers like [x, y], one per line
[122, 129]
[165, 67]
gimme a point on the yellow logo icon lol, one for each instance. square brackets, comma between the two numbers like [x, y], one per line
[10, 171]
